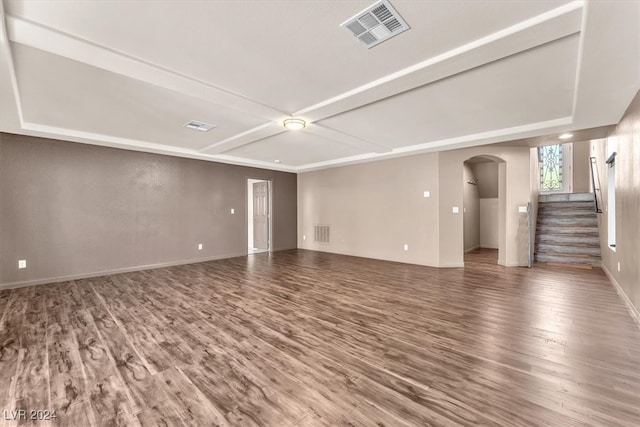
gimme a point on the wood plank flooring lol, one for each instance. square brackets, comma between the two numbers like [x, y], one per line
[301, 338]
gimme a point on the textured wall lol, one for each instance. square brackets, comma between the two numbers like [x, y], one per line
[627, 138]
[73, 209]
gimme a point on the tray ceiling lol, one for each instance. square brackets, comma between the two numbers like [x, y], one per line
[131, 74]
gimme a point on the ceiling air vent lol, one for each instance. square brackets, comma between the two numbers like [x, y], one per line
[375, 24]
[199, 126]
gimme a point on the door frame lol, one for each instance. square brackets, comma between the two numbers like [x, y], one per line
[249, 181]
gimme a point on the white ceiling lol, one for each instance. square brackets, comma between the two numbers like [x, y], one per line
[131, 74]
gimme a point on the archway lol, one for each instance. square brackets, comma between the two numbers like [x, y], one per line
[484, 191]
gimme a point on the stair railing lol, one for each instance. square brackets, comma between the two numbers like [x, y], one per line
[595, 181]
[530, 237]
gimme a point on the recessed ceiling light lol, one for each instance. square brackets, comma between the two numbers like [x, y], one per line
[565, 136]
[294, 124]
[277, 161]
[199, 126]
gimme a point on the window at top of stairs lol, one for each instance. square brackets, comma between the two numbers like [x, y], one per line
[551, 167]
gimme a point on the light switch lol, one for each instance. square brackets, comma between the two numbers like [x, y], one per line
[22, 263]
[304, 237]
[455, 209]
[406, 247]
[427, 194]
[522, 209]
[199, 246]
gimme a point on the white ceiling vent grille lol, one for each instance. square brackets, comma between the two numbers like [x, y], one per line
[375, 24]
[199, 126]
[321, 233]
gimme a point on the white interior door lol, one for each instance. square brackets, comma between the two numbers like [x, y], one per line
[261, 207]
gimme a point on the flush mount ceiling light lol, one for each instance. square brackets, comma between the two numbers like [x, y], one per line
[294, 124]
[199, 126]
[565, 136]
[375, 24]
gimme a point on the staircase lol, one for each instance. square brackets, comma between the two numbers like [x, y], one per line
[567, 230]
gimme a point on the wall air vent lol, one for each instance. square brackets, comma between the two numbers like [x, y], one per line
[199, 126]
[321, 233]
[375, 24]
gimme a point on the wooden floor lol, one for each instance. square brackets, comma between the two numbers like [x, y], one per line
[300, 338]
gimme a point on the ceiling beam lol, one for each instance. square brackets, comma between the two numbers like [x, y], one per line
[248, 137]
[345, 138]
[539, 30]
[44, 38]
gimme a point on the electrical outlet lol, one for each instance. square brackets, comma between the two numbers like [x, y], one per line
[406, 247]
[427, 194]
[455, 209]
[233, 211]
[199, 246]
[23, 264]
[304, 237]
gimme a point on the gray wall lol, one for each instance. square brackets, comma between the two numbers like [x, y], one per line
[581, 171]
[375, 208]
[76, 210]
[487, 175]
[489, 223]
[626, 135]
[513, 191]
[471, 209]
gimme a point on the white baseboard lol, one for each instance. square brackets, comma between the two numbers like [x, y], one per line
[633, 310]
[23, 284]
[472, 249]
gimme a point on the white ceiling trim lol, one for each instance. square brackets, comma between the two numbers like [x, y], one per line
[466, 141]
[579, 64]
[344, 138]
[532, 37]
[274, 128]
[560, 22]
[563, 21]
[74, 135]
[252, 135]
[8, 66]
[62, 44]
[543, 28]
[609, 34]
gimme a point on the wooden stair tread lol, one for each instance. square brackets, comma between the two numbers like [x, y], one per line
[567, 231]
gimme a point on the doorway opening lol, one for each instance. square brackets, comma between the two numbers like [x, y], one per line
[258, 216]
[483, 182]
